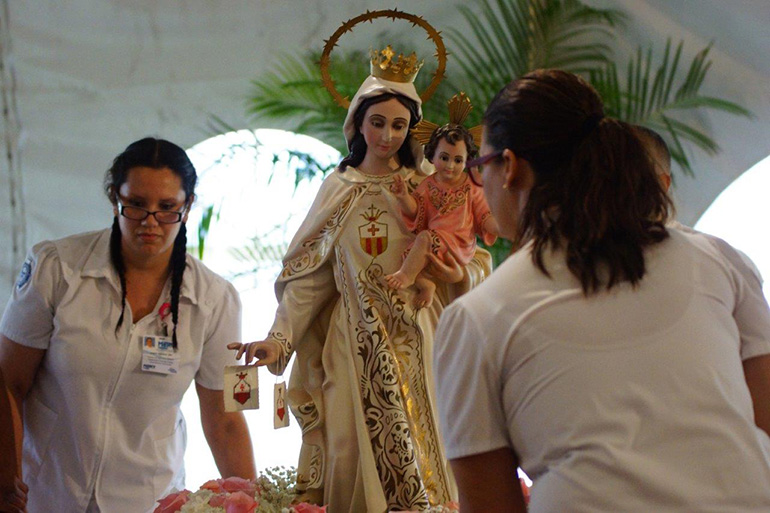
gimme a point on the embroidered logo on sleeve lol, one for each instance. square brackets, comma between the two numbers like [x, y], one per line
[26, 272]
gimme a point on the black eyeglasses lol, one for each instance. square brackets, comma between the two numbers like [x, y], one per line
[474, 166]
[140, 214]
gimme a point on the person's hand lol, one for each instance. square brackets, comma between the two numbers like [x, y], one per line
[15, 501]
[266, 351]
[398, 187]
[448, 270]
[491, 226]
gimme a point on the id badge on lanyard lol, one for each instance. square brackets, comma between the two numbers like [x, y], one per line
[158, 355]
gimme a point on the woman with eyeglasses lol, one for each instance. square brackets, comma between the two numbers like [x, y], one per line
[103, 430]
[624, 365]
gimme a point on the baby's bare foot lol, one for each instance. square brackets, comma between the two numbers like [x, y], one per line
[398, 280]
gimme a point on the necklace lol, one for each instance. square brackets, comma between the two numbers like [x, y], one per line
[377, 176]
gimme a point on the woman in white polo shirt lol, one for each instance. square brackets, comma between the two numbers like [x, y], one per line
[622, 363]
[102, 337]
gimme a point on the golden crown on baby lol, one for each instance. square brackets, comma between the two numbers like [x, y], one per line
[402, 69]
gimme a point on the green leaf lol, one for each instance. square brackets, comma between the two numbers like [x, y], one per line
[710, 102]
[293, 95]
[499, 41]
[203, 229]
[506, 38]
[647, 98]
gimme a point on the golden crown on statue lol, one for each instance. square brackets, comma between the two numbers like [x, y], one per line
[402, 69]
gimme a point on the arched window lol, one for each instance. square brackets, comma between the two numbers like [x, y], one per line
[739, 216]
[249, 188]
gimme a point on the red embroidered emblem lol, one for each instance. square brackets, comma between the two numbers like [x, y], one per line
[242, 390]
[373, 235]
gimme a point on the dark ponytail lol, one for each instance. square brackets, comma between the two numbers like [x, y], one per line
[595, 193]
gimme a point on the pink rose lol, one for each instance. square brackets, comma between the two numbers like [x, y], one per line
[215, 485]
[235, 484]
[304, 507]
[217, 501]
[173, 502]
[240, 502]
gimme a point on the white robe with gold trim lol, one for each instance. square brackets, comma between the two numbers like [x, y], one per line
[362, 386]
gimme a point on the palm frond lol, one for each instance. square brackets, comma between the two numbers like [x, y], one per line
[293, 95]
[305, 165]
[654, 93]
[255, 256]
[507, 38]
[500, 41]
[209, 215]
[255, 252]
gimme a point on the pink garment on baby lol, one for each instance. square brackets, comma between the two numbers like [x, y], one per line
[454, 215]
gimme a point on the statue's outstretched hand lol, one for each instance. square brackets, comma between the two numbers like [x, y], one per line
[398, 187]
[266, 351]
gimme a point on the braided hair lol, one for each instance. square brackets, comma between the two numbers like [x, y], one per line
[156, 154]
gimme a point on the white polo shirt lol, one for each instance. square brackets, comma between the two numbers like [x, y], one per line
[740, 260]
[630, 400]
[94, 422]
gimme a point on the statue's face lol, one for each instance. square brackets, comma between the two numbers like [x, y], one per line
[449, 161]
[385, 127]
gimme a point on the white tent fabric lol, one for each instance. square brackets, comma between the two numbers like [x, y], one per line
[86, 77]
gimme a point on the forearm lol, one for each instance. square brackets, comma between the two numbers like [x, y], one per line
[227, 435]
[10, 446]
[230, 444]
[11, 433]
[408, 206]
[18, 366]
[15, 407]
[489, 483]
[757, 373]
[302, 301]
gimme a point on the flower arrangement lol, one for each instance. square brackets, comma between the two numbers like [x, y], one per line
[271, 492]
